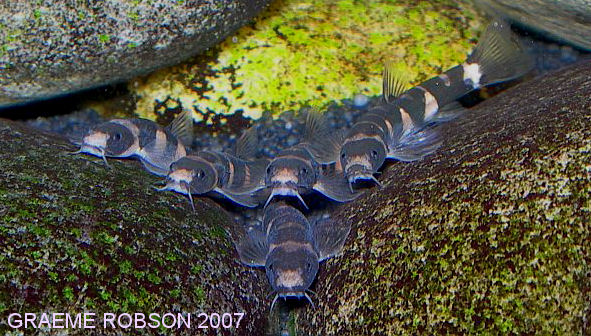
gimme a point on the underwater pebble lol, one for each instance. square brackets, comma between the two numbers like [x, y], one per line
[360, 100]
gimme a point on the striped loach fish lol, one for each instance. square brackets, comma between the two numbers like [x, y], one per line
[234, 176]
[290, 248]
[156, 147]
[397, 128]
[298, 170]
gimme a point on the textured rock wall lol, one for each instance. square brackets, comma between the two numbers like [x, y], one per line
[54, 47]
[490, 235]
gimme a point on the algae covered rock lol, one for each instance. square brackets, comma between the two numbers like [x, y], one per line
[313, 52]
[491, 235]
[54, 47]
[568, 21]
[77, 237]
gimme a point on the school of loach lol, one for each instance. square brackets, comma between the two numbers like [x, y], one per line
[456, 203]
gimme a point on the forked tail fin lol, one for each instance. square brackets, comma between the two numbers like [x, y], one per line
[499, 56]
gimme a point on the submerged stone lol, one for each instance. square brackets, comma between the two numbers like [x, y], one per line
[568, 21]
[54, 47]
[76, 236]
[313, 52]
[492, 234]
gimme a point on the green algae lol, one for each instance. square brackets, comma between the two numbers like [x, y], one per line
[78, 236]
[315, 52]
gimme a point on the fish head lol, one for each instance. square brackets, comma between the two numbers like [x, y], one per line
[192, 174]
[286, 175]
[107, 139]
[362, 158]
[291, 271]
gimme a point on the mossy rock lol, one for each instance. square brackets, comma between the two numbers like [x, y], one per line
[313, 52]
[76, 236]
[491, 235]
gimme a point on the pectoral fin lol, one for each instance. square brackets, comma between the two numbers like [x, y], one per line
[247, 200]
[329, 236]
[334, 185]
[252, 246]
[417, 145]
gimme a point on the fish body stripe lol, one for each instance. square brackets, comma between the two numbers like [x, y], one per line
[146, 131]
[413, 102]
[288, 230]
[233, 172]
[222, 165]
[292, 246]
[444, 93]
[239, 174]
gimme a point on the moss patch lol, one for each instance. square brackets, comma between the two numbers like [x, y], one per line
[313, 52]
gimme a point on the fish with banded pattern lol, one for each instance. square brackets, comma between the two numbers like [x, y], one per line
[235, 176]
[290, 247]
[300, 169]
[156, 147]
[399, 128]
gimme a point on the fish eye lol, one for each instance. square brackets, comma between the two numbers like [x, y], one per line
[268, 170]
[117, 136]
[343, 155]
[374, 154]
[200, 174]
[304, 171]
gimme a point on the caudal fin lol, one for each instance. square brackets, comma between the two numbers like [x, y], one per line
[498, 57]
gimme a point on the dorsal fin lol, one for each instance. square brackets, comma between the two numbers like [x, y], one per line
[394, 81]
[316, 125]
[246, 145]
[320, 140]
[182, 127]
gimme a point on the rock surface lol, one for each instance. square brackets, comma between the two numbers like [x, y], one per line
[490, 235]
[568, 21]
[76, 236]
[54, 47]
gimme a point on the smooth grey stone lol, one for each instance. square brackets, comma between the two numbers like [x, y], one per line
[54, 47]
[568, 21]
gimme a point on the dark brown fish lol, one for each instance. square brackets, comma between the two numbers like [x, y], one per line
[290, 248]
[300, 169]
[157, 147]
[400, 127]
[234, 176]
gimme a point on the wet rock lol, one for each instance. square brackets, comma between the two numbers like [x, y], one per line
[568, 21]
[492, 234]
[53, 47]
[76, 236]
